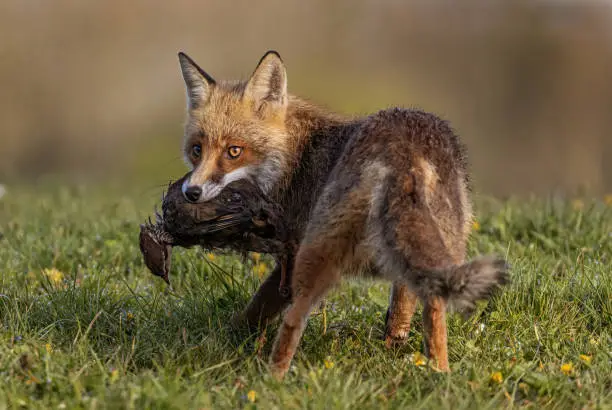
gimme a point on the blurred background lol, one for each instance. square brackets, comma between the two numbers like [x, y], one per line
[92, 91]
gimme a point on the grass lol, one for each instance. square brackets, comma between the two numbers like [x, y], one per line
[83, 324]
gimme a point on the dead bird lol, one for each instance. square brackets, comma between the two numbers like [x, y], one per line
[241, 218]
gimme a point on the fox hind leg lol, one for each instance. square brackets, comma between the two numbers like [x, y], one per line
[413, 244]
[399, 315]
[435, 333]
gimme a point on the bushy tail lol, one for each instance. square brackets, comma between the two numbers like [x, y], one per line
[465, 284]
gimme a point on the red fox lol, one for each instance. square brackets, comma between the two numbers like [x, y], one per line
[385, 195]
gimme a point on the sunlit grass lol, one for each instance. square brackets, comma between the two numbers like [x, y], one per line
[84, 324]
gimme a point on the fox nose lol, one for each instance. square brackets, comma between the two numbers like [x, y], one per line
[193, 193]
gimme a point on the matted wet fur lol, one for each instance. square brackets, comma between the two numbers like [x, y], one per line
[385, 195]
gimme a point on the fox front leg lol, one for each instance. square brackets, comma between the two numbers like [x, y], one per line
[283, 288]
[313, 275]
[269, 300]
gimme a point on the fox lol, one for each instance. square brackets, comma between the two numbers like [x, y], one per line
[385, 195]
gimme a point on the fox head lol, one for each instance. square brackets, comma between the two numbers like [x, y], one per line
[235, 130]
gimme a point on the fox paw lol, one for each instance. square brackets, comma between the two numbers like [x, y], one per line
[394, 339]
[278, 370]
[396, 334]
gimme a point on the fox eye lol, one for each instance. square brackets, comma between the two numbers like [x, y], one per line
[196, 151]
[234, 151]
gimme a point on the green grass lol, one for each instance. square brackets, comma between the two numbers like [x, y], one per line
[102, 332]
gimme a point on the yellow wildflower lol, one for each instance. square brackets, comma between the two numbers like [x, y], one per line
[261, 268]
[114, 375]
[475, 226]
[256, 256]
[586, 359]
[608, 199]
[53, 274]
[32, 379]
[577, 204]
[48, 347]
[419, 359]
[328, 364]
[252, 396]
[496, 377]
[210, 256]
[567, 368]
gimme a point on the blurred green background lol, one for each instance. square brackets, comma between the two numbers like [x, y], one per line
[91, 91]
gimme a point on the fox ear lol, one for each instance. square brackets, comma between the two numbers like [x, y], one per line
[267, 87]
[197, 81]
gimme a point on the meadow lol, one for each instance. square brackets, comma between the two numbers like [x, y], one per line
[83, 324]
